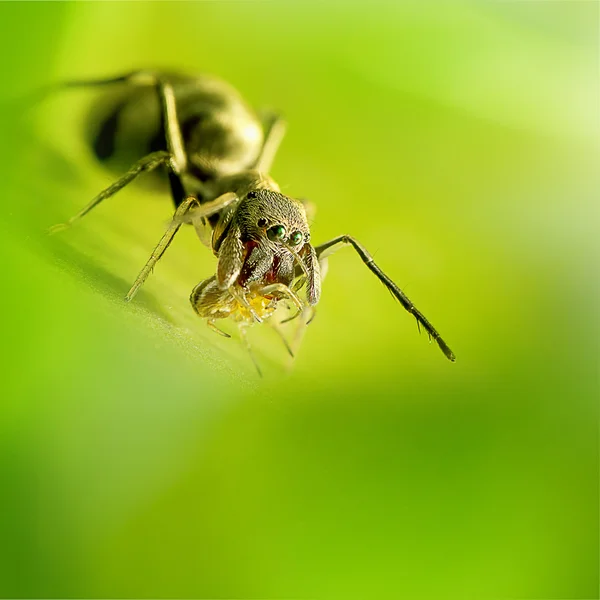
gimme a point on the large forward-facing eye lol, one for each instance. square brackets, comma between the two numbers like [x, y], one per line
[276, 233]
[296, 238]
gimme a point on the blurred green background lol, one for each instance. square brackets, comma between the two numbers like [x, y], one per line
[140, 454]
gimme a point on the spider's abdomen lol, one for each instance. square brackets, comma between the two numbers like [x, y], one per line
[222, 134]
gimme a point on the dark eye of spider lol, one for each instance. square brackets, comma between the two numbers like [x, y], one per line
[276, 233]
[296, 238]
[262, 222]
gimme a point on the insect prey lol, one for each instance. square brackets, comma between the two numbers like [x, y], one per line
[217, 153]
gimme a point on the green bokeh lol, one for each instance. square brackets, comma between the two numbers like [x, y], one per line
[141, 456]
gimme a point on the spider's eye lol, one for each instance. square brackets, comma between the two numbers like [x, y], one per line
[296, 238]
[276, 233]
[262, 222]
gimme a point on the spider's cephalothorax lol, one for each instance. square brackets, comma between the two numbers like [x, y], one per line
[264, 237]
